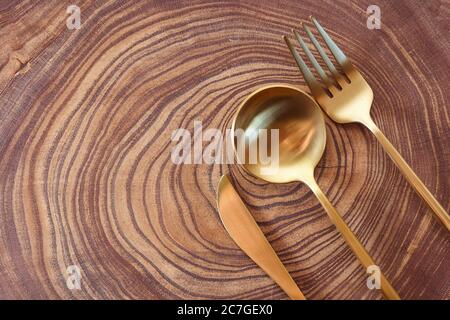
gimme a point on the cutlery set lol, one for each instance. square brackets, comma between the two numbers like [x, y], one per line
[344, 95]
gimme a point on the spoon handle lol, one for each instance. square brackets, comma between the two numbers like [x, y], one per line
[357, 248]
[409, 174]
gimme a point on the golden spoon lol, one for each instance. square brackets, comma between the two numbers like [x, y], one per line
[302, 139]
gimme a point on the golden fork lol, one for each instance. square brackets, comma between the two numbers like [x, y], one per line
[347, 98]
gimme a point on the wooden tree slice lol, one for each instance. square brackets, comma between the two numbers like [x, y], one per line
[86, 177]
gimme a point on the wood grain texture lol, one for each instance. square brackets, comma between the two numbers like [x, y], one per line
[86, 179]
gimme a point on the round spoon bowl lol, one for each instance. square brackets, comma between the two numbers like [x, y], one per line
[301, 133]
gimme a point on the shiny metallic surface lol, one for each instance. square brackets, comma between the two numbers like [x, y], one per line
[301, 128]
[246, 233]
[349, 99]
[302, 141]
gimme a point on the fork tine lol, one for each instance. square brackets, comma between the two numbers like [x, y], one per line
[322, 52]
[313, 85]
[311, 58]
[337, 53]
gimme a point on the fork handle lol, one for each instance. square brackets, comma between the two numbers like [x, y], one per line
[409, 174]
[354, 244]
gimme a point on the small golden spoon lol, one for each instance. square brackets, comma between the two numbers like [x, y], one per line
[302, 139]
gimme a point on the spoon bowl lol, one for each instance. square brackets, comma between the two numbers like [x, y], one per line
[301, 132]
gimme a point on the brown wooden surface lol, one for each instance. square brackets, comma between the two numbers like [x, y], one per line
[85, 173]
